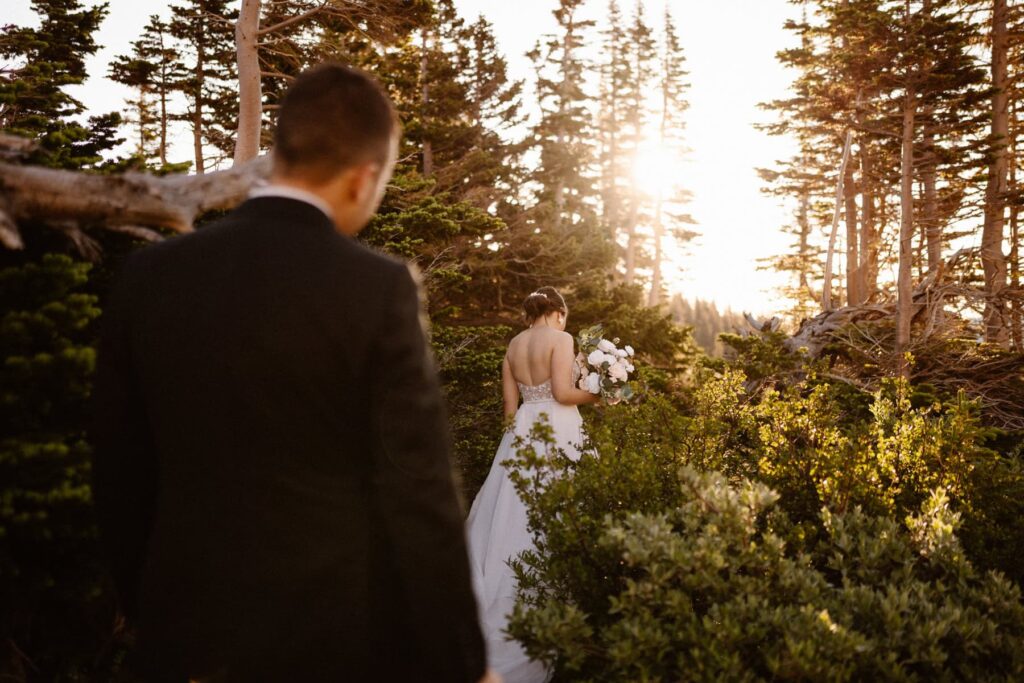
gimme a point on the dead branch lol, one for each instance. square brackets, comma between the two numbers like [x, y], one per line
[136, 203]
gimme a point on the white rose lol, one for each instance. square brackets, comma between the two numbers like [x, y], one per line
[595, 358]
[593, 383]
[629, 367]
[629, 350]
[618, 372]
[606, 346]
[621, 353]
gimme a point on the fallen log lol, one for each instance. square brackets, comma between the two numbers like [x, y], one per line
[133, 202]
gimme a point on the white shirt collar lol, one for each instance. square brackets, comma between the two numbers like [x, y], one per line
[295, 193]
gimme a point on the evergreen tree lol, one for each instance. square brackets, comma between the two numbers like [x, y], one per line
[669, 197]
[151, 69]
[34, 101]
[204, 35]
[641, 59]
[562, 134]
[56, 617]
[857, 62]
[615, 75]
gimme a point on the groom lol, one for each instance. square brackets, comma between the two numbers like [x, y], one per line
[272, 475]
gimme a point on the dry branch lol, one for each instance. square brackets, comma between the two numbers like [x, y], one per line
[858, 343]
[135, 203]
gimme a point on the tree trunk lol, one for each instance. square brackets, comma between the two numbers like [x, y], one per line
[656, 276]
[563, 98]
[992, 259]
[197, 112]
[826, 294]
[163, 125]
[853, 295]
[867, 269]
[141, 111]
[930, 206]
[904, 282]
[164, 77]
[1016, 324]
[197, 135]
[250, 95]
[803, 220]
[428, 147]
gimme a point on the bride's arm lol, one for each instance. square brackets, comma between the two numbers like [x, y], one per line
[562, 358]
[509, 389]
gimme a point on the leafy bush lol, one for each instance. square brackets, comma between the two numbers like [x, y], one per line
[647, 570]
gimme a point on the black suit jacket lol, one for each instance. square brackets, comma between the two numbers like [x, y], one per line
[272, 474]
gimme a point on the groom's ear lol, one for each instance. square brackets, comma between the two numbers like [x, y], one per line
[361, 182]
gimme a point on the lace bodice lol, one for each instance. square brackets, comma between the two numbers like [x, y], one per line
[537, 393]
[542, 392]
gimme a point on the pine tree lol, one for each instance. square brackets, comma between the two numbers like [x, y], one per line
[898, 77]
[562, 134]
[672, 88]
[615, 74]
[34, 101]
[204, 35]
[151, 69]
[641, 60]
[496, 103]
[51, 585]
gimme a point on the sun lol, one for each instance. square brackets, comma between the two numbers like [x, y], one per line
[657, 170]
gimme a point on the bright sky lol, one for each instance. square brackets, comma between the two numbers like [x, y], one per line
[730, 49]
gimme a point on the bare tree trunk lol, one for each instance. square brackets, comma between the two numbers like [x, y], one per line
[141, 110]
[428, 147]
[1016, 324]
[803, 220]
[853, 296]
[867, 270]
[250, 95]
[992, 258]
[631, 237]
[163, 101]
[163, 126]
[930, 206]
[563, 96]
[904, 281]
[826, 294]
[197, 136]
[656, 277]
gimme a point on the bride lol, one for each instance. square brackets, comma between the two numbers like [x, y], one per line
[539, 366]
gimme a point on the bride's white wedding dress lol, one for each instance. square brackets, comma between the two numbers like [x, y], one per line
[496, 530]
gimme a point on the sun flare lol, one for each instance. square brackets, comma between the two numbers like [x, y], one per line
[657, 170]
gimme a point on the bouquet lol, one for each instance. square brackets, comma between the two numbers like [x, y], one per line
[605, 368]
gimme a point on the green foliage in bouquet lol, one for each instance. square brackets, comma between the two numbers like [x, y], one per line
[613, 389]
[647, 570]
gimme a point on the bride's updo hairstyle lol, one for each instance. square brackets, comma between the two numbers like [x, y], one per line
[541, 302]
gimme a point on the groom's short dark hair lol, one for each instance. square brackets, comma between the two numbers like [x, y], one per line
[333, 117]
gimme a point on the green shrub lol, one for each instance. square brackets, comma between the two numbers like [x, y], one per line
[57, 619]
[647, 570]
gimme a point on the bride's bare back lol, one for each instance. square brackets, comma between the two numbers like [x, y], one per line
[538, 355]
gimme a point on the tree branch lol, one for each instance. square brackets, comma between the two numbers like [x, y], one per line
[302, 16]
[132, 202]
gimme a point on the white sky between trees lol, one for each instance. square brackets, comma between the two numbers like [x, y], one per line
[730, 49]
